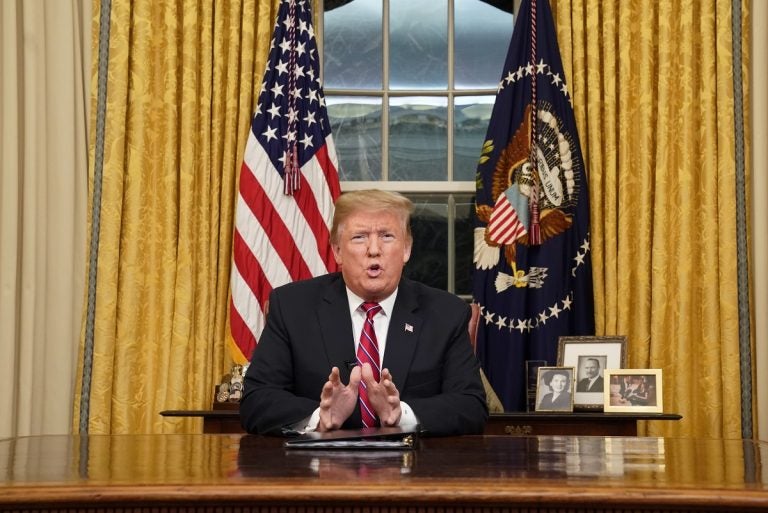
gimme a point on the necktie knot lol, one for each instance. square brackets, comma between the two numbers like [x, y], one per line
[370, 309]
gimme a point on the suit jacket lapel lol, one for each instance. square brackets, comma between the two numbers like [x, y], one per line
[336, 328]
[403, 334]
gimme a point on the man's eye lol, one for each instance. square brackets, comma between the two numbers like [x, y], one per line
[388, 237]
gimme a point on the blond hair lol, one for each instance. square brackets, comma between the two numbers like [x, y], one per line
[370, 200]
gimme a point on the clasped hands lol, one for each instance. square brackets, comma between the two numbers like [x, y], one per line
[338, 401]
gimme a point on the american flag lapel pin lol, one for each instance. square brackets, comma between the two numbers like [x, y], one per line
[408, 328]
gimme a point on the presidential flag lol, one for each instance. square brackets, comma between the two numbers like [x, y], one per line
[533, 273]
[288, 180]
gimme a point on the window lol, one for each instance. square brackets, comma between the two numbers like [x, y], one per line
[410, 86]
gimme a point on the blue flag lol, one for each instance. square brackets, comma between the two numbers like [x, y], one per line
[533, 271]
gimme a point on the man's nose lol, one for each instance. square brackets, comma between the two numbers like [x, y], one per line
[374, 246]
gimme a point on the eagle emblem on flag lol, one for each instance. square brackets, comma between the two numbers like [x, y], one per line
[552, 184]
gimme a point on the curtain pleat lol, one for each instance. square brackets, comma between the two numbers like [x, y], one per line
[180, 94]
[652, 86]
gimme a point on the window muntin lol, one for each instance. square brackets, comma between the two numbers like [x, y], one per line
[410, 86]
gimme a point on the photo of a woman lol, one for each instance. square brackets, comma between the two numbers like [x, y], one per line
[555, 390]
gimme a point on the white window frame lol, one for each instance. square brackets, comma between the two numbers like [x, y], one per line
[448, 187]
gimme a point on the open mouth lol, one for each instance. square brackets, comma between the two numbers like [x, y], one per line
[373, 270]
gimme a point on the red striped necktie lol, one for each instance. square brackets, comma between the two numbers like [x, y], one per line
[368, 351]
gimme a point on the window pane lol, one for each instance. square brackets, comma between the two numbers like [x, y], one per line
[356, 128]
[352, 50]
[418, 138]
[429, 261]
[429, 223]
[470, 123]
[464, 237]
[481, 39]
[418, 46]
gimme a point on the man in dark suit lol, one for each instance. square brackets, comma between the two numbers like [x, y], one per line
[402, 348]
[592, 381]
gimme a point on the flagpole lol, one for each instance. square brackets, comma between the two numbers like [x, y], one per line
[535, 230]
[291, 176]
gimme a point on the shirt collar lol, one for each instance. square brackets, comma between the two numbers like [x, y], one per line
[387, 304]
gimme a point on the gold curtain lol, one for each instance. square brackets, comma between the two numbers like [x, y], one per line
[653, 92]
[182, 81]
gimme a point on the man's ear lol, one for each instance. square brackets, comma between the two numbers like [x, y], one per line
[336, 253]
[407, 253]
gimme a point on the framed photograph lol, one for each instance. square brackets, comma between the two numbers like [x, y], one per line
[633, 390]
[555, 389]
[531, 382]
[590, 356]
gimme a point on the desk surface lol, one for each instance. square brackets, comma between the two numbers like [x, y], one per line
[444, 474]
[225, 418]
[233, 412]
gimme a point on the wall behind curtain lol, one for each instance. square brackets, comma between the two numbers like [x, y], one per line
[652, 88]
[180, 88]
[44, 56]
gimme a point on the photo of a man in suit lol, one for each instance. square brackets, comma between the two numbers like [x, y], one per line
[591, 381]
[365, 345]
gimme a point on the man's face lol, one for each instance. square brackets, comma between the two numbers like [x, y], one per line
[372, 249]
[591, 368]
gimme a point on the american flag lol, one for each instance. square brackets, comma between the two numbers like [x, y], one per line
[288, 180]
[533, 271]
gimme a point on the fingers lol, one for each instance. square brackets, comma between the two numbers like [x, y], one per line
[388, 384]
[367, 373]
[390, 416]
[391, 390]
[354, 377]
[326, 394]
[337, 401]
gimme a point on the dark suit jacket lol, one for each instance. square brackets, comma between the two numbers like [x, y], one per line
[583, 385]
[309, 330]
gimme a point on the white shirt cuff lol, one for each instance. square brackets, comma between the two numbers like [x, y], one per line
[408, 419]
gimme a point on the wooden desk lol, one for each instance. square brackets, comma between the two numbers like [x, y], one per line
[226, 419]
[576, 423]
[493, 474]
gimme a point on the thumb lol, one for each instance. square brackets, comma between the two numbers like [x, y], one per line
[367, 374]
[354, 377]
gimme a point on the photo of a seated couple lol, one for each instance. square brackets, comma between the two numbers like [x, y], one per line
[633, 390]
